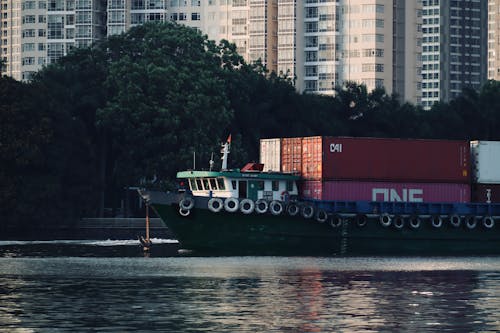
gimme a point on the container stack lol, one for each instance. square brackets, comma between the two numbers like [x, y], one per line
[373, 169]
[486, 171]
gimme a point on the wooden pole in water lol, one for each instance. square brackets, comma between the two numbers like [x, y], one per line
[147, 223]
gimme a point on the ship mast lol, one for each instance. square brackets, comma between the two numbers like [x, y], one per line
[225, 152]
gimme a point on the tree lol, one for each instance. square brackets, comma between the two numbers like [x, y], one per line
[166, 99]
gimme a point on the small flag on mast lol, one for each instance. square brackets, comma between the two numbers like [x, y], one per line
[229, 139]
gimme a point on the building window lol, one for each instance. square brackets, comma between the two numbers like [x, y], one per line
[311, 26]
[311, 56]
[311, 85]
[195, 16]
[138, 4]
[29, 19]
[28, 60]
[28, 33]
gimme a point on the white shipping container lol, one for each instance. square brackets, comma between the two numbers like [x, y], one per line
[486, 162]
[270, 154]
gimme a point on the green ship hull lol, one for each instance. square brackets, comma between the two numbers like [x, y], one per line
[224, 233]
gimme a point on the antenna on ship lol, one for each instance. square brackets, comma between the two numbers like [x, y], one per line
[225, 152]
[211, 162]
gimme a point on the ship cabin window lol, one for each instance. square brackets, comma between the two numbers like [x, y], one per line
[213, 184]
[289, 186]
[220, 182]
[276, 185]
[233, 183]
[205, 184]
[199, 184]
[192, 184]
[260, 185]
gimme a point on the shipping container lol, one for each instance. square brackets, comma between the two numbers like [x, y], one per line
[385, 191]
[270, 154]
[312, 157]
[486, 161]
[486, 193]
[375, 159]
[291, 155]
[396, 160]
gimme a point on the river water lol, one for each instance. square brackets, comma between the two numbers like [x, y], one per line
[110, 287]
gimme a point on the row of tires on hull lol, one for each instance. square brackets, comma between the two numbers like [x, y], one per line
[415, 221]
[261, 206]
[308, 211]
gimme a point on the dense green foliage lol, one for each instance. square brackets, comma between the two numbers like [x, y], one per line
[134, 109]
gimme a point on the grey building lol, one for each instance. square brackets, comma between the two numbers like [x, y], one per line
[454, 48]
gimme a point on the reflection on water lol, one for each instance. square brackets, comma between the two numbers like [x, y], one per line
[257, 294]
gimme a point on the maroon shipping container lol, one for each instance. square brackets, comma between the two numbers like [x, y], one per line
[393, 160]
[385, 191]
[486, 193]
[291, 155]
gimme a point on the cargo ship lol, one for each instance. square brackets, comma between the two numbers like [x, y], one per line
[341, 196]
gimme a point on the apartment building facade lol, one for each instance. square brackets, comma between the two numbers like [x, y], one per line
[454, 48]
[424, 51]
[39, 32]
[494, 40]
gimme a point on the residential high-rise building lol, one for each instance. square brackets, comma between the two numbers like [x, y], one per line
[376, 42]
[494, 40]
[38, 32]
[454, 48]
[424, 51]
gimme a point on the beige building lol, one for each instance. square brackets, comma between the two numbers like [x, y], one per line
[39, 32]
[318, 43]
[375, 42]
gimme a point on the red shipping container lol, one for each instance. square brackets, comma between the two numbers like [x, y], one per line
[396, 160]
[486, 193]
[393, 160]
[291, 155]
[312, 157]
[385, 191]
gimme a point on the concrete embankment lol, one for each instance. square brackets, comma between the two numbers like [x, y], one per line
[93, 228]
[120, 228]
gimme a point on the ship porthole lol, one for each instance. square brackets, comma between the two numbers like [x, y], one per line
[488, 222]
[231, 205]
[276, 207]
[215, 205]
[436, 221]
[455, 220]
[247, 206]
[385, 220]
[292, 209]
[307, 211]
[261, 206]
[321, 216]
